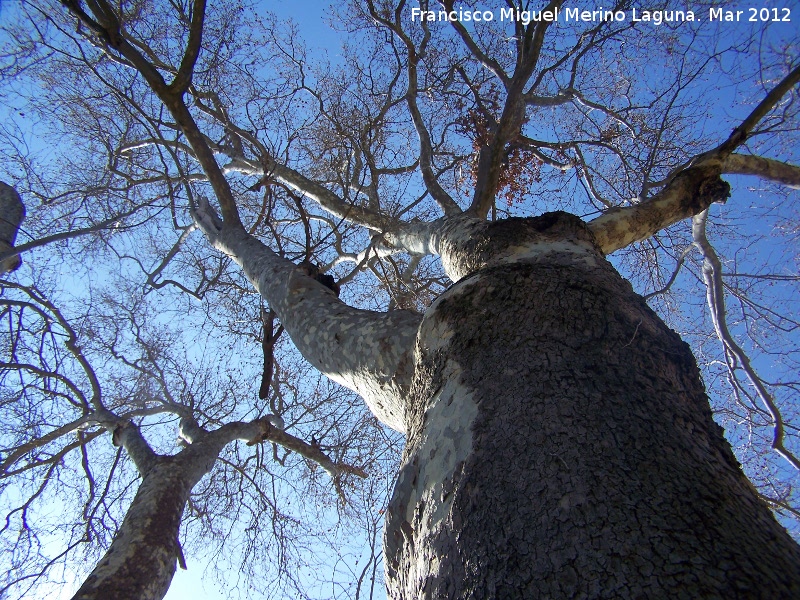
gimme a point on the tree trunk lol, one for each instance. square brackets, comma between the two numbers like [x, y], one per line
[561, 444]
[141, 561]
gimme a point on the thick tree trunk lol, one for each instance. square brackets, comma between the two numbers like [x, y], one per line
[561, 444]
[12, 212]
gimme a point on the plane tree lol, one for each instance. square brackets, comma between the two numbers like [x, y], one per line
[428, 217]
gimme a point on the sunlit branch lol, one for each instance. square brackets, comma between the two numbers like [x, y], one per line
[687, 194]
[311, 452]
[715, 296]
[128, 435]
[765, 168]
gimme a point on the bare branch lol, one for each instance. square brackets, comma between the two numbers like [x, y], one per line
[735, 356]
[770, 101]
[184, 77]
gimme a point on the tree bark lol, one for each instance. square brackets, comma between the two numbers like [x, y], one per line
[12, 212]
[366, 351]
[561, 445]
[141, 561]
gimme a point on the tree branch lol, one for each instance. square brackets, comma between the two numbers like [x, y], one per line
[341, 341]
[765, 168]
[743, 131]
[715, 296]
[690, 192]
[184, 77]
[438, 193]
[693, 188]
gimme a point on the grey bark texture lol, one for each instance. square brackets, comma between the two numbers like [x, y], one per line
[561, 444]
[12, 212]
[366, 351]
[141, 561]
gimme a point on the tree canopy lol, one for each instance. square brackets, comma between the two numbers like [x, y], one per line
[140, 134]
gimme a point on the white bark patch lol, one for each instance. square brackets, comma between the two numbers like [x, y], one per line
[446, 443]
[467, 245]
[422, 501]
[578, 252]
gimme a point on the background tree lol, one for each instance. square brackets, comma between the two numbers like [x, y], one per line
[147, 384]
[398, 153]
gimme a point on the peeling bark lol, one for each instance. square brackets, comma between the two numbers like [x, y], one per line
[561, 445]
[690, 192]
[766, 168]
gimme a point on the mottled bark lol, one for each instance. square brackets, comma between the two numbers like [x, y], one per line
[688, 193]
[766, 168]
[368, 352]
[141, 561]
[561, 444]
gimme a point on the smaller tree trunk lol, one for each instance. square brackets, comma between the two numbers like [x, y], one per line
[141, 561]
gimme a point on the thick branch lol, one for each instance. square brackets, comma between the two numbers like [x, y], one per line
[108, 28]
[268, 339]
[688, 194]
[368, 352]
[127, 435]
[492, 155]
[766, 168]
[692, 189]
[184, 77]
